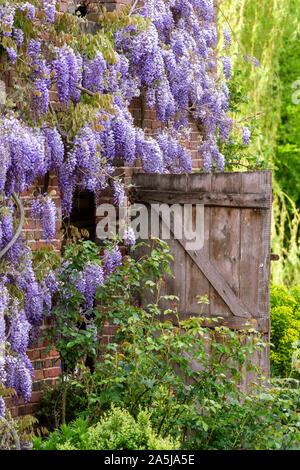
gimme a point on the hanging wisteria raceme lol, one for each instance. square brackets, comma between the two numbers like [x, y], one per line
[28, 9]
[119, 193]
[19, 372]
[93, 72]
[88, 281]
[129, 236]
[68, 70]
[7, 14]
[246, 133]
[23, 155]
[12, 54]
[111, 260]
[19, 327]
[227, 37]
[43, 208]
[18, 36]
[49, 9]
[55, 149]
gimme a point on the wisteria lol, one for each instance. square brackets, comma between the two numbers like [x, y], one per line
[7, 14]
[88, 281]
[2, 407]
[93, 72]
[49, 9]
[44, 208]
[227, 37]
[68, 69]
[18, 328]
[172, 59]
[22, 153]
[12, 54]
[119, 193]
[246, 133]
[55, 149]
[111, 260]
[18, 36]
[226, 67]
[19, 376]
[129, 236]
[29, 9]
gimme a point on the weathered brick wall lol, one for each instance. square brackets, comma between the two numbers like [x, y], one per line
[47, 367]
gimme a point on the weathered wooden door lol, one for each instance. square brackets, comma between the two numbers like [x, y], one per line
[233, 265]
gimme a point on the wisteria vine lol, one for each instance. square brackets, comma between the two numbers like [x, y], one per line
[165, 53]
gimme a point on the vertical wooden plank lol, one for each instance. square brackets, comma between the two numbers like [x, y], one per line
[196, 282]
[255, 246]
[255, 273]
[177, 285]
[225, 240]
[250, 258]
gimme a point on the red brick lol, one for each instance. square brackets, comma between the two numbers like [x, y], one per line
[34, 354]
[54, 372]
[36, 397]
[104, 339]
[53, 352]
[47, 363]
[110, 330]
[38, 374]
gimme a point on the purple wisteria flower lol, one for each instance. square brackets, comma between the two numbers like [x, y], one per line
[246, 134]
[56, 148]
[227, 37]
[111, 260]
[49, 9]
[226, 67]
[19, 330]
[18, 36]
[12, 54]
[119, 193]
[129, 236]
[4, 303]
[2, 407]
[44, 209]
[93, 72]
[29, 9]
[88, 281]
[68, 74]
[7, 15]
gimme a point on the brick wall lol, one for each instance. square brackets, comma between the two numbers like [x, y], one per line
[47, 367]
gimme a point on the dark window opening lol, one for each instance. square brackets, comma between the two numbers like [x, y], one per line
[82, 9]
[83, 213]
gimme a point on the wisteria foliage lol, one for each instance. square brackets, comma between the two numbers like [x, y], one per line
[164, 53]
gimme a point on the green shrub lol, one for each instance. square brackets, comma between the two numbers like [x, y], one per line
[266, 420]
[120, 430]
[49, 413]
[73, 435]
[285, 330]
[117, 430]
